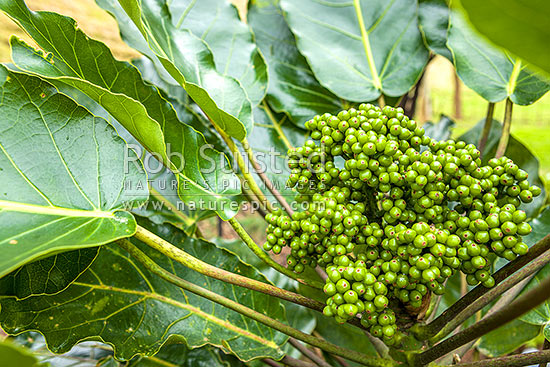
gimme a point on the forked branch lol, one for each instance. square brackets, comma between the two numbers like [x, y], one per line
[427, 331]
[513, 310]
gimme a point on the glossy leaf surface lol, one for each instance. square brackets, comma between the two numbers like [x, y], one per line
[217, 23]
[119, 302]
[359, 49]
[293, 88]
[64, 174]
[433, 19]
[190, 62]
[527, 38]
[489, 71]
[89, 66]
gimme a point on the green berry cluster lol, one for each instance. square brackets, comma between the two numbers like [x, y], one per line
[391, 213]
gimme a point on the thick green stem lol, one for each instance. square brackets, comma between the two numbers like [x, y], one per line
[503, 142]
[267, 182]
[511, 311]
[492, 294]
[255, 315]
[182, 257]
[516, 360]
[308, 353]
[268, 260]
[486, 127]
[423, 332]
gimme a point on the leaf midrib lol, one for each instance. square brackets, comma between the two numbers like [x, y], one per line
[13, 206]
[512, 82]
[366, 45]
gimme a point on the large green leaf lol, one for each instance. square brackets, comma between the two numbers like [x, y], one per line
[51, 275]
[121, 303]
[189, 60]
[518, 26]
[186, 109]
[507, 338]
[359, 49]
[489, 71]
[65, 175]
[178, 355]
[84, 354]
[231, 41]
[521, 155]
[433, 19]
[218, 24]
[89, 66]
[293, 88]
[95, 354]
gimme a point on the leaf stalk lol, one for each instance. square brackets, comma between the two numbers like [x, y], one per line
[191, 262]
[320, 362]
[255, 315]
[249, 179]
[267, 182]
[515, 360]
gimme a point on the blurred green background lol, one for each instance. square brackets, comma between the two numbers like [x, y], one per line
[530, 123]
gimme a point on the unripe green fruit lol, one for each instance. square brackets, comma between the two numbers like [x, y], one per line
[378, 217]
